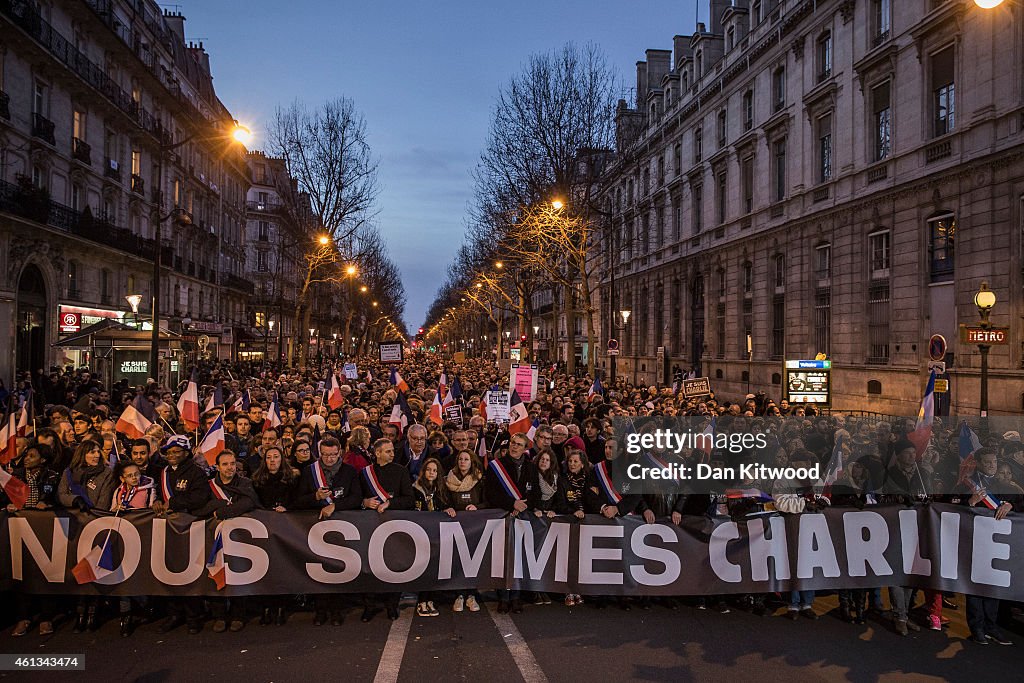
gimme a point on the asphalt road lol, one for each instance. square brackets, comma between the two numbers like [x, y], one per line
[552, 643]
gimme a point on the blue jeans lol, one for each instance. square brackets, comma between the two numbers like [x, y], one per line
[799, 600]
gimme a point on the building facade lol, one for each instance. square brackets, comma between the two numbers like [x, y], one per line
[833, 177]
[104, 108]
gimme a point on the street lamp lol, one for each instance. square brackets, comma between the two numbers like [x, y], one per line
[134, 300]
[988, 4]
[237, 134]
[985, 300]
[557, 204]
[613, 361]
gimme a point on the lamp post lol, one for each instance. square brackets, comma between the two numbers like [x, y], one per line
[266, 340]
[237, 133]
[985, 300]
[624, 313]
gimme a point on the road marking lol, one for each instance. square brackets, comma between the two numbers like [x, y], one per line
[394, 649]
[517, 647]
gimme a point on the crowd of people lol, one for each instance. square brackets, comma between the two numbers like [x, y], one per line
[310, 456]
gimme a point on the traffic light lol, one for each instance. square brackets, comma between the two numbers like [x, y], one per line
[421, 330]
[522, 338]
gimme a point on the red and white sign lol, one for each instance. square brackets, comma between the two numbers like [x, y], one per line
[70, 322]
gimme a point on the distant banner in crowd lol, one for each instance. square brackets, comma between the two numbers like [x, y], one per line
[938, 546]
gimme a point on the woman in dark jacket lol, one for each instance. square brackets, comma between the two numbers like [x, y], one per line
[543, 496]
[430, 493]
[276, 483]
[465, 493]
[88, 484]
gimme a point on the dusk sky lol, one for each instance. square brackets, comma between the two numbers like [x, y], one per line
[425, 75]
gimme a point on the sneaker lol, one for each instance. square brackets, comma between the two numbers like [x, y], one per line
[999, 640]
[46, 628]
[979, 639]
[21, 628]
[422, 610]
[546, 598]
[220, 626]
[459, 604]
[538, 599]
[901, 627]
[433, 610]
[472, 605]
[934, 623]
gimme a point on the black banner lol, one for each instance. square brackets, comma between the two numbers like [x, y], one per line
[937, 546]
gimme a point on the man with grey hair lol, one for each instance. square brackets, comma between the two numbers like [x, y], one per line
[414, 450]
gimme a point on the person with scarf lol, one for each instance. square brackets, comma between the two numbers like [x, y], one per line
[329, 485]
[386, 486]
[134, 492]
[569, 498]
[276, 483]
[543, 496]
[430, 493]
[465, 484]
[509, 484]
[358, 442]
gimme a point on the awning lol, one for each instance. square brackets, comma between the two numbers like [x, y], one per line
[113, 331]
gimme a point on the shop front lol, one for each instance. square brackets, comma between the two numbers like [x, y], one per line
[117, 352]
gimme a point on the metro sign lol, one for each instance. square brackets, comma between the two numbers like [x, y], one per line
[980, 335]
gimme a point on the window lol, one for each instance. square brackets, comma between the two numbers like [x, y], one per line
[730, 39]
[39, 98]
[677, 208]
[941, 237]
[755, 13]
[698, 145]
[823, 261]
[723, 194]
[723, 128]
[645, 237]
[881, 121]
[78, 125]
[677, 158]
[659, 227]
[748, 277]
[136, 162]
[779, 168]
[747, 182]
[880, 21]
[943, 91]
[825, 148]
[748, 110]
[720, 316]
[822, 320]
[823, 56]
[264, 231]
[647, 181]
[698, 208]
[72, 279]
[778, 341]
[262, 264]
[778, 89]
[105, 286]
[76, 197]
[878, 322]
[661, 171]
[879, 254]
[700, 66]
[780, 272]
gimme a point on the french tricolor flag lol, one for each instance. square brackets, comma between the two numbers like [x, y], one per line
[532, 431]
[16, 489]
[518, 415]
[215, 562]
[436, 407]
[97, 564]
[213, 443]
[241, 403]
[707, 438]
[8, 439]
[922, 433]
[134, 421]
[188, 404]
[595, 389]
[334, 398]
[398, 382]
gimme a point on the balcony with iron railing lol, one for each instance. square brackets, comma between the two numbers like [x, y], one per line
[138, 184]
[264, 207]
[111, 169]
[42, 128]
[81, 151]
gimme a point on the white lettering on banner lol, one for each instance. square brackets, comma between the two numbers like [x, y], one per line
[862, 552]
[589, 554]
[316, 539]
[910, 541]
[669, 558]
[22, 536]
[717, 545]
[421, 553]
[130, 539]
[986, 549]
[762, 548]
[557, 536]
[816, 548]
[258, 558]
[196, 554]
[949, 545]
[453, 537]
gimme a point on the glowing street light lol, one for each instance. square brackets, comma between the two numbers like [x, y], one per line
[241, 134]
[988, 4]
[324, 240]
[557, 205]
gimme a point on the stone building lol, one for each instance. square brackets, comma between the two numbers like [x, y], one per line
[99, 100]
[831, 177]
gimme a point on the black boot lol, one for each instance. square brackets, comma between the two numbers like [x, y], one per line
[265, 618]
[280, 618]
[79, 624]
[127, 625]
[90, 620]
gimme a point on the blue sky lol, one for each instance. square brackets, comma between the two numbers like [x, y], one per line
[425, 75]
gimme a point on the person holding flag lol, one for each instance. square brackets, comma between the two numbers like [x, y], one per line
[188, 403]
[386, 486]
[508, 485]
[983, 612]
[32, 485]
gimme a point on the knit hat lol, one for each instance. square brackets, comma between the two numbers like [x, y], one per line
[178, 440]
[577, 443]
